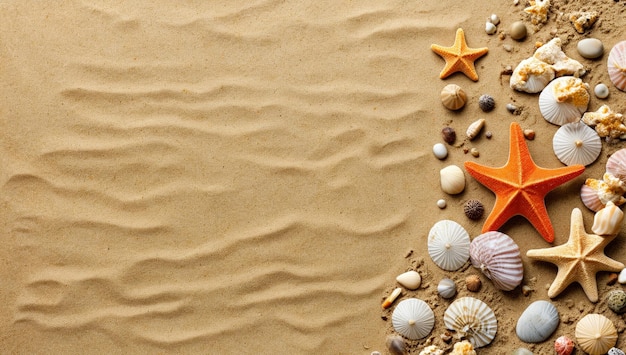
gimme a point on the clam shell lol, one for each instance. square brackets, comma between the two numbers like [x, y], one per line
[446, 288]
[616, 65]
[608, 221]
[474, 128]
[590, 198]
[452, 180]
[453, 97]
[498, 257]
[410, 280]
[616, 164]
[576, 143]
[537, 322]
[564, 100]
[448, 245]
[595, 334]
[413, 318]
[472, 319]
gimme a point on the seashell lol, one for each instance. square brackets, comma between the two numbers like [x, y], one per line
[531, 75]
[448, 245]
[615, 351]
[621, 278]
[563, 345]
[486, 103]
[472, 319]
[590, 198]
[498, 257]
[473, 209]
[522, 351]
[529, 134]
[608, 221]
[463, 348]
[449, 135]
[431, 350]
[474, 128]
[410, 280]
[453, 97]
[616, 165]
[595, 334]
[391, 298]
[440, 151]
[537, 322]
[396, 345]
[441, 203]
[583, 20]
[610, 188]
[413, 319]
[576, 143]
[607, 123]
[452, 180]
[538, 11]
[474, 151]
[473, 283]
[551, 53]
[617, 65]
[490, 28]
[494, 19]
[446, 288]
[518, 30]
[601, 91]
[616, 300]
[564, 100]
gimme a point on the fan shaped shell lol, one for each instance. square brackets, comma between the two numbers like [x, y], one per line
[576, 143]
[472, 319]
[616, 65]
[595, 334]
[413, 319]
[537, 322]
[590, 198]
[616, 164]
[564, 100]
[448, 245]
[498, 257]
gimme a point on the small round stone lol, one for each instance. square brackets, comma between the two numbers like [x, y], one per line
[488, 134]
[529, 134]
[601, 91]
[616, 300]
[494, 19]
[518, 30]
[473, 283]
[449, 135]
[440, 151]
[590, 48]
[441, 203]
[473, 209]
[486, 103]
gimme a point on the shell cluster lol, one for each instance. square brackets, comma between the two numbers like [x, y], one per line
[595, 334]
[499, 258]
[576, 143]
[537, 322]
[564, 100]
[448, 245]
[472, 319]
[609, 124]
[413, 318]
[595, 193]
[617, 65]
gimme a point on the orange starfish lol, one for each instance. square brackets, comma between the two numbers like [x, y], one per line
[579, 259]
[521, 186]
[459, 57]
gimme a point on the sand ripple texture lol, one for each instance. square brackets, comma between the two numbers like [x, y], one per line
[235, 177]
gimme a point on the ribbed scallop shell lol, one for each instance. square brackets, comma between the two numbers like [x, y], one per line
[472, 319]
[608, 221]
[498, 257]
[453, 97]
[590, 198]
[448, 245]
[413, 318]
[446, 288]
[564, 100]
[576, 143]
[616, 164]
[616, 65]
[537, 322]
[595, 334]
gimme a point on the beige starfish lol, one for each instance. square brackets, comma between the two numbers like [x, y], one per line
[579, 259]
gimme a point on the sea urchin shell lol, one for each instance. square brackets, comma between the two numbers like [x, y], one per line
[486, 103]
[474, 209]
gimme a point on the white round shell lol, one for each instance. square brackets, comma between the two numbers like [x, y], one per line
[595, 334]
[498, 257]
[413, 318]
[616, 64]
[446, 288]
[473, 319]
[616, 164]
[440, 151]
[452, 180]
[601, 91]
[537, 322]
[576, 143]
[448, 245]
[561, 109]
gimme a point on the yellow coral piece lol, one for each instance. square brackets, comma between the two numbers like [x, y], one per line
[572, 90]
[607, 123]
[582, 21]
[538, 11]
[431, 350]
[610, 188]
[463, 348]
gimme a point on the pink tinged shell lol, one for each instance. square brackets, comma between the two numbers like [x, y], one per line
[590, 198]
[608, 221]
[616, 164]
[563, 345]
[616, 65]
[498, 257]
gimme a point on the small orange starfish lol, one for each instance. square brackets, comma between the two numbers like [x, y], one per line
[459, 57]
[521, 186]
[579, 259]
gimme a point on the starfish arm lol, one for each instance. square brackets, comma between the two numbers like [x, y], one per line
[564, 277]
[537, 214]
[546, 180]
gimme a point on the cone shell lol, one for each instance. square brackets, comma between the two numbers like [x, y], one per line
[616, 164]
[595, 334]
[576, 143]
[498, 257]
[564, 100]
[474, 128]
[537, 322]
[617, 65]
[607, 221]
[452, 180]
[472, 319]
[413, 319]
[448, 245]
[453, 97]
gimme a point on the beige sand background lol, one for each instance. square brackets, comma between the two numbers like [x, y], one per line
[250, 176]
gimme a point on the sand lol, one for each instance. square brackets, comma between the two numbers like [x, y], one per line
[250, 177]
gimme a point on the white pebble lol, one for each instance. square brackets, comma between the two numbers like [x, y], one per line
[440, 151]
[601, 91]
[490, 28]
[494, 19]
[590, 48]
[410, 280]
[441, 203]
[622, 277]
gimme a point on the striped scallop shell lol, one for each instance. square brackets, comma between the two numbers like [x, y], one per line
[617, 65]
[576, 143]
[607, 221]
[595, 334]
[564, 100]
[448, 245]
[590, 198]
[498, 257]
[413, 318]
[616, 164]
[472, 319]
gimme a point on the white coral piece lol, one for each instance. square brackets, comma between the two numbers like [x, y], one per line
[431, 350]
[610, 188]
[538, 11]
[607, 123]
[552, 53]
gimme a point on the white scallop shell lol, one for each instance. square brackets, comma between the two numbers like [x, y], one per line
[448, 245]
[564, 100]
[616, 65]
[576, 143]
[452, 180]
[616, 164]
[446, 288]
[595, 334]
[590, 198]
[537, 322]
[608, 221]
[413, 318]
[472, 319]
[498, 257]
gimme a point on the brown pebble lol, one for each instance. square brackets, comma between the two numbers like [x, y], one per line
[488, 134]
[474, 209]
[465, 150]
[526, 290]
[518, 30]
[449, 135]
[529, 134]
[612, 279]
[473, 283]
